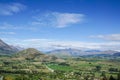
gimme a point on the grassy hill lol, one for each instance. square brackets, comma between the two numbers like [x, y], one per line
[34, 54]
[29, 53]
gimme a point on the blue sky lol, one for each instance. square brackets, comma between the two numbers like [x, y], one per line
[53, 24]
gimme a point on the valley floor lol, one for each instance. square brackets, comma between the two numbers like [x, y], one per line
[71, 69]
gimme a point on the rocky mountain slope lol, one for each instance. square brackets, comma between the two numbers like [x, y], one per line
[6, 49]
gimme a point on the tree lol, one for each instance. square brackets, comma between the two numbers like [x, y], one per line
[8, 78]
[98, 68]
[112, 78]
[118, 76]
[104, 78]
[113, 69]
[103, 74]
[86, 77]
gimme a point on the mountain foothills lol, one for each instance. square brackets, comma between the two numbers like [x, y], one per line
[33, 54]
[19, 53]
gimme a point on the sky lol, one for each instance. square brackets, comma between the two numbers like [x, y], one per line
[59, 24]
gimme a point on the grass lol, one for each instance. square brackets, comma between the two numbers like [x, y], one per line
[59, 67]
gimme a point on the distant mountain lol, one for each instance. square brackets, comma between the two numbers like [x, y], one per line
[116, 54]
[97, 52]
[92, 51]
[76, 52]
[113, 55]
[6, 49]
[65, 52]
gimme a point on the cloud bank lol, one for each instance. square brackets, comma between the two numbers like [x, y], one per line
[110, 37]
[49, 44]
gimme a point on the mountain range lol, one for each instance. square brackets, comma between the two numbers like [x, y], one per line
[32, 53]
[18, 53]
[76, 52]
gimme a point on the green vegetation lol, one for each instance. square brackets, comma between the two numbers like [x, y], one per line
[60, 67]
[71, 69]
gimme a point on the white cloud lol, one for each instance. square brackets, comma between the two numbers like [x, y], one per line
[7, 33]
[10, 9]
[49, 44]
[7, 26]
[111, 37]
[59, 20]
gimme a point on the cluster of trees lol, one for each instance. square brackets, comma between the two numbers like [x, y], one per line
[60, 75]
[104, 77]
